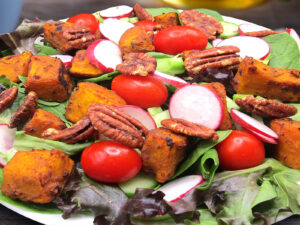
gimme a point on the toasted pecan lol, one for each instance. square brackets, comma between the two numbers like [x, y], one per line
[219, 57]
[266, 108]
[261, 33]
[80, 131]
[182, 126]
[25, 111]
[117, 125]
[137, 64]
[7, 98]
[209, 25]
[141, 13]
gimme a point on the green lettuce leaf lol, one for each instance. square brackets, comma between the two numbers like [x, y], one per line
[46, 50]
[104, 77]
[28, 142]
[284, 51]
[266, 193]
[23, 37]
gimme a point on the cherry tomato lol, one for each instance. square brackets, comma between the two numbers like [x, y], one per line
[148, 25]
[141, 91]
[240, 150]
[110, 161]
[87, 20]
[176, 39]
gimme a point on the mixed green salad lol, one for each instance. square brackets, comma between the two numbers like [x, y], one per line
[263, 194]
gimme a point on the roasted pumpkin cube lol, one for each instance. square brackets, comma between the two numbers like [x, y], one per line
[48, 78]
[41, 121]
[219, 89]
[256, 78]
[162, 151]
[288, 147]
[136, 39]
[36, 176]
[67, 36]
[167, 20]
[87, 94]
[14, 66]
[81, 66]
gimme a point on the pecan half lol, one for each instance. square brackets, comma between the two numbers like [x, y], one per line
[219, 57]
[137, 64]
[117, 125]
[182, 126]
[25, 111]
[209, 25]
[80, 131]
[141, 13]
[266, 108]
[7, 98]
[261, 33]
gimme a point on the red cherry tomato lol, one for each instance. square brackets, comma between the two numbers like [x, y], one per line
[148, 25]
[176, 39]
[87, 20]
[110, 161]
[240, 150]
[141, 91]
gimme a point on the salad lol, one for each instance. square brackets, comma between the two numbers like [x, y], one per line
[160, 116]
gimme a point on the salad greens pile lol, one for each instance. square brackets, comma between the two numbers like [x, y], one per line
[260, 195]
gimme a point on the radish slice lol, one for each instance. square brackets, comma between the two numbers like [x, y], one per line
[139, 114]
[252, 124]
[263, 137]
[7, 136]
[169, 79]
[294, 35]
[38, 40]
[178, 188]
[116, 12]
[248, 27]
[104, 54]
[113, 29]
[66, 59]
[197, 104]
[216, 42]
[249, 46]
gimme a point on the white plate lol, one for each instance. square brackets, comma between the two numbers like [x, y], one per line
[55, 219]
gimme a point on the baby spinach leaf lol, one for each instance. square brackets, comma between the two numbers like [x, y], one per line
[107, 76]
[284, 51]
[297, 115]
[159, 11]
[28, 142]
[201, 149]
[46, 50]
[209, 164]
[212, 13]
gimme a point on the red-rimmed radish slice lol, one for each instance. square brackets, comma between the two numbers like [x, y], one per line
[252, 124]
[216, 42]
[248, 27]
[139, 114]
[104, 54]
[249, 46]
[178, 188]
[7, 136]
[294, 35]
[116, 12]
[113, 29]
[169, 79]
[263, 137]
[197, 104]
[66, 59]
